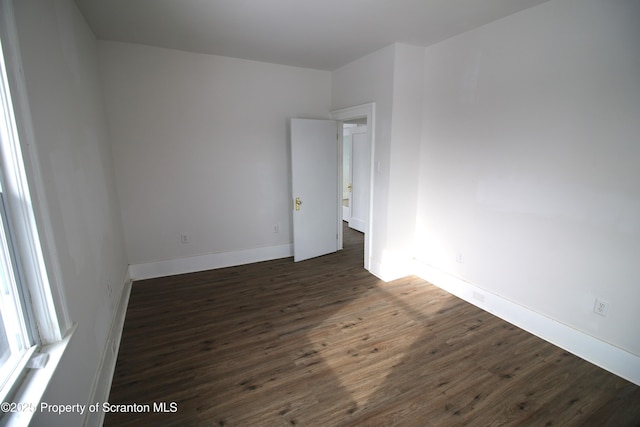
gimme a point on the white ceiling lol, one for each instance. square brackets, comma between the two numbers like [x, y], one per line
[321, 34]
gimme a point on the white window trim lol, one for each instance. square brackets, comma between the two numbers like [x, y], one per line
[33, 232]
[56, 308]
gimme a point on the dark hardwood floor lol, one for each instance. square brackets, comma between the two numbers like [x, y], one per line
[324, 343]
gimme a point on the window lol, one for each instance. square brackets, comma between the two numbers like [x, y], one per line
[33, 316]
[16, 341]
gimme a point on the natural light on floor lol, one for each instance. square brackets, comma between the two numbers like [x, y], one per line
[345, 339]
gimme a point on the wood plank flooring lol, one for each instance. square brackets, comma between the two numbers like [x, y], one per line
[324, 343]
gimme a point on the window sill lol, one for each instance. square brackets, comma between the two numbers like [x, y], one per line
[26, 401]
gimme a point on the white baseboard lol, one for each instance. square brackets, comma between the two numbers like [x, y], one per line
[357, 224]
[393, 266]
[104, 377]
[591, 349]
[375, 268]
[193, 264]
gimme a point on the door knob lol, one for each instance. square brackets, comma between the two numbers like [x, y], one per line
[298, 203]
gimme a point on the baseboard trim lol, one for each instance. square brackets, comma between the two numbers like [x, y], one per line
[193, 264]
[591, 349]
[104, 377]
[375, 268]
[393, 266]
[358, 224]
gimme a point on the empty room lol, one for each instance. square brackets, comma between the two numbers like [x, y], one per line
[320, 213]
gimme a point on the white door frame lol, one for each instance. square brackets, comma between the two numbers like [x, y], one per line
[350, 113]
[346, 210]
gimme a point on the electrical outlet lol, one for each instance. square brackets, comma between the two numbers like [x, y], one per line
[184, 239]
[276, 228]
[601, 307]
[459, 257]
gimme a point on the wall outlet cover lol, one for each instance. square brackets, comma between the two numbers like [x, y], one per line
[601, 307]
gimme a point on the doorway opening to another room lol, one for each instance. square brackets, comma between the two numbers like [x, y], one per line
[355, 179]
[356, 172]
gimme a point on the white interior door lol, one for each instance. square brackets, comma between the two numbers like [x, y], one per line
[360, 171]
[314, 183]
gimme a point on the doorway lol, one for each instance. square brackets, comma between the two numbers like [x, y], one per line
[355, 178]
[350, 118]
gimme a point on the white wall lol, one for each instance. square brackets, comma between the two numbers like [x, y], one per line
[529, 162]
[201, 148]
[72, 145]
[406, 130]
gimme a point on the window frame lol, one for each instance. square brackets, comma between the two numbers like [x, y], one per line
[19, 316]
[30, 228]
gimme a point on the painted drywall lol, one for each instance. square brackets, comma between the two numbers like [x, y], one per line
[370, 79]
[406, 130]
[200, 147]
[72, 144]
[529, 163]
